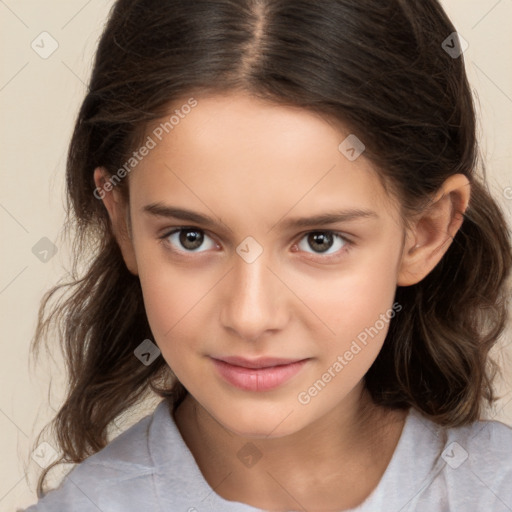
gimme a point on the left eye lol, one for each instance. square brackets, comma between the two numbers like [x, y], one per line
[190, 240]
[322, 242]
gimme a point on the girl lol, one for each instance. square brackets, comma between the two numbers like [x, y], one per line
[292, 248]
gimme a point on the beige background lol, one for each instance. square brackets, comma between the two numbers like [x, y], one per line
[39, 99]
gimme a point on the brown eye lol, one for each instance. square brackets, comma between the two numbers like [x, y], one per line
[191, 239]
[322, 242]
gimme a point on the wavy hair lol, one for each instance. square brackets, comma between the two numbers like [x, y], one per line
[377, 67]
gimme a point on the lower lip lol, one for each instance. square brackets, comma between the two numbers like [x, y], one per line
[258, 379]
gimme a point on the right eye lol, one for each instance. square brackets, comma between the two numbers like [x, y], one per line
[188, 239]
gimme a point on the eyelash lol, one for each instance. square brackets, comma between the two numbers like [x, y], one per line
[348, 244]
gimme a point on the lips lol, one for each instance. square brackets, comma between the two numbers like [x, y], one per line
[262, 362]
[261, 374]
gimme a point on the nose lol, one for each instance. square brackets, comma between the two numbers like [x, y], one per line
[254, 301]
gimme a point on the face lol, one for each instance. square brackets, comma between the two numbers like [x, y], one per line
[236, 261]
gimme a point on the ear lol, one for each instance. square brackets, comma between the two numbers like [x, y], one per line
[433, 230]
[118, 211]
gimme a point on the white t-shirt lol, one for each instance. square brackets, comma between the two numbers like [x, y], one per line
[150, 468]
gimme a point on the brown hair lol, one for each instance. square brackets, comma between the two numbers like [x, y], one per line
[377, 67]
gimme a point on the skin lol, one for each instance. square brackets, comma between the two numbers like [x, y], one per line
[253, 165]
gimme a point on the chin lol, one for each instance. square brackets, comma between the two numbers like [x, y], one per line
[258, 422]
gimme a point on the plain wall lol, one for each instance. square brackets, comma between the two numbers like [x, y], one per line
[39, 98]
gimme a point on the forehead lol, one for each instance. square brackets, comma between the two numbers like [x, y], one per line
[255, 156]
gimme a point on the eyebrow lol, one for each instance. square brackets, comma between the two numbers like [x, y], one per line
[329, 218]
[162, 210]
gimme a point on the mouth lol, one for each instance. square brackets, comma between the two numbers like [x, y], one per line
[261, 374]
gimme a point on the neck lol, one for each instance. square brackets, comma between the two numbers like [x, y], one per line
[337, 460]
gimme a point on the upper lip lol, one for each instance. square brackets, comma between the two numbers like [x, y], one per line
[262, 362]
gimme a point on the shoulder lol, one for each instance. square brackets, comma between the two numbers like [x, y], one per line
[494, 434]
[115, 478]
[484, 445]
[486, 448]
[471, 469]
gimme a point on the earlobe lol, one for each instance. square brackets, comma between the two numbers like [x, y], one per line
[118, 212]
[432, 232]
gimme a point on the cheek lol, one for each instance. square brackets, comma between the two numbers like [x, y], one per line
[358, 307]
[369, 294]
[352, 299]
[177, 302]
